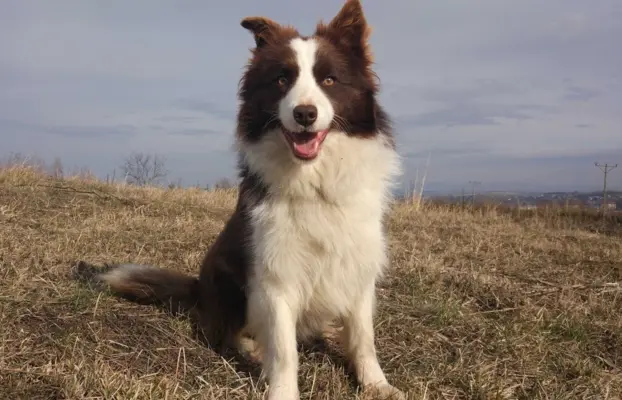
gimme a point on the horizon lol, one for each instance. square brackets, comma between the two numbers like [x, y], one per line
[522, 96]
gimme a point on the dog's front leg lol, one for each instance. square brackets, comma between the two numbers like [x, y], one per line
[358, 338]
[277, 335]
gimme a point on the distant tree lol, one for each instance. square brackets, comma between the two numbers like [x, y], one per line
[22, 160]
[144, 169]
[175, 185]
[223, 183]
[111, 179]
[56, 169]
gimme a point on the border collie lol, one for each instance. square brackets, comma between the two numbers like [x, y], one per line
[306, 243]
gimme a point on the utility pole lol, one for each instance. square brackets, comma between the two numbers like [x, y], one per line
[473, 184]
[606, 168]
[462, 200]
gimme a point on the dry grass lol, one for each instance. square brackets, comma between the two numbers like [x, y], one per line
[478, 305]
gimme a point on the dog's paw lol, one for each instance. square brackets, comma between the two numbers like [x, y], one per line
[250, 350]
[383, 391]
[282, 393]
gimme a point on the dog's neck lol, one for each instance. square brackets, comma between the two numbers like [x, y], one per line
[347, 168]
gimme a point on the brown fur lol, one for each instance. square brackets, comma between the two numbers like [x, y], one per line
[216, 300]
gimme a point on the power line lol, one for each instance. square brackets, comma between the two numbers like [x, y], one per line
[606, 168]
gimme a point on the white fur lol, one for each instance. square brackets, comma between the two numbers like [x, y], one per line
[305, 91]
[319, 247]
[122, 273]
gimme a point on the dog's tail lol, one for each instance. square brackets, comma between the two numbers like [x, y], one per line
[143, 284]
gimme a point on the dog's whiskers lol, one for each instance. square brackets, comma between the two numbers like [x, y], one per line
[342, 124]
[273, 117]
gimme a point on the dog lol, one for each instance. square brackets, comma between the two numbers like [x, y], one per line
[306, 243]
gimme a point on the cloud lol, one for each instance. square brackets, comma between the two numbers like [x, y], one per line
[17, 127]
[482, 102]
[446, 152]
[475, 90]
[205, 106]
[196, 132]
[481, 84]
[473, 114]
[575, 93]
[179, 118]
[96, 131]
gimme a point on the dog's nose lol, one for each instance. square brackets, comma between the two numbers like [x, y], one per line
[305, 115]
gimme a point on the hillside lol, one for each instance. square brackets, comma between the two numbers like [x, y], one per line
[478, 305]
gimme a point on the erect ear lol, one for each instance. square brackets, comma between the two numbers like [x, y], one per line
[349, 27]
[263, 29]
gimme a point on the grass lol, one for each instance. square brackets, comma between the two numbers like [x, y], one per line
[478, 305]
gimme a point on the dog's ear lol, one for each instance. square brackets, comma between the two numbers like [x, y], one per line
[263, 29]
[349, 28]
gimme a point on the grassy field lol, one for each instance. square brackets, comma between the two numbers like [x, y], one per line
[478, 305]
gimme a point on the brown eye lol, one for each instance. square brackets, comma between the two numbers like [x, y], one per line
[282, 81]
[328, 81]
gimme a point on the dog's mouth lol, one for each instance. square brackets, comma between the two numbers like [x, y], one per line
[305, 145]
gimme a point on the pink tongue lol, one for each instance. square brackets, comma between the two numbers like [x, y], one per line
[308, 147]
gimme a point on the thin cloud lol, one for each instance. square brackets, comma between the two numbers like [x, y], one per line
[519, 78]
[196, 132]
[463, 114]
[446, 152]
[205, 106]
[576, 93]
[95, 131]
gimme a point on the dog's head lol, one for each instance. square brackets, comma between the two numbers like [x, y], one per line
[304, 88]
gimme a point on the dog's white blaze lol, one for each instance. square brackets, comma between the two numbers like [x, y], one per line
[306, 90]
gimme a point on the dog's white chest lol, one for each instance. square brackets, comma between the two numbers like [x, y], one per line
[320, 255]
[318, 240]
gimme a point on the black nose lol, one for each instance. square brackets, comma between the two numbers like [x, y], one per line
[305, 115]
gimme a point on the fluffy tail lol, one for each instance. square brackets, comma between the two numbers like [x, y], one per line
[143, 284]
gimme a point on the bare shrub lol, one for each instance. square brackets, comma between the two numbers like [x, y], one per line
[56, 169]
[144, 169]
[224, 183]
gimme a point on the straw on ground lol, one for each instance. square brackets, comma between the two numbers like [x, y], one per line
[478, 305]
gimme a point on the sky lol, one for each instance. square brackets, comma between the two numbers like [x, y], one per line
[516, 94]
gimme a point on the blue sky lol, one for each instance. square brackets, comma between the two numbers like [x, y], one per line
[518, 94]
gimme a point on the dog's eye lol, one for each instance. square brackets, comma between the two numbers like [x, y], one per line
[328, 81]
[281, 81]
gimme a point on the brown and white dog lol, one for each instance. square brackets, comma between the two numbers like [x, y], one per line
[306, 243]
